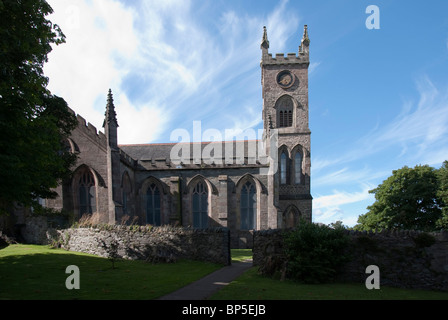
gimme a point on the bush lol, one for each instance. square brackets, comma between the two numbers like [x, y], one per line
[423, 240]
[315, 252]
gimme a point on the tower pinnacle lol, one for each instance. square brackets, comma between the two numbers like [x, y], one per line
[264, 41]
[110, 115]
[303, 48]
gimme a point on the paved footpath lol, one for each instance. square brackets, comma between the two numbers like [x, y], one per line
[205, 287]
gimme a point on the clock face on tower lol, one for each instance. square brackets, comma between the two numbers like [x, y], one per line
[285, 79]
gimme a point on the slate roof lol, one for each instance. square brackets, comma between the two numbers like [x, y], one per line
[161, 151]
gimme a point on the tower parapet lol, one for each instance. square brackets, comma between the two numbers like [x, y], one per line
[302, 56]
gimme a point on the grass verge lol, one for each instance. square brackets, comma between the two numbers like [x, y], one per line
[239, 255]
[252, 286]
[38, 273]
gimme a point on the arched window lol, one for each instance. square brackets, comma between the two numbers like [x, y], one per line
[153, 201]
[87, 193]
[283, 163]
[298, 168]
[200, 205]
[290, 217]
[285, 107]
[248, 207]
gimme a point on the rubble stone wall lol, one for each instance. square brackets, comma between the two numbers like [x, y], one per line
[406, 259]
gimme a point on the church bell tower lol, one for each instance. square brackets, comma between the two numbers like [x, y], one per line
[284, 82]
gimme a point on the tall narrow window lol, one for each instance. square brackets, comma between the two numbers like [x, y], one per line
[283, 168]
[248, 207]
[126, 194]
[298, 168]
[86, 190]
[200, 206]
[290, 217]
[285, 112]
[153, 215]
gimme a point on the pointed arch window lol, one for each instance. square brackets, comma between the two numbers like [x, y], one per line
[200, 205]
[248, 207]
[298, 167]
[290, 217]
[283, 163]
[87, 193]
[153, 205]
[285, 112]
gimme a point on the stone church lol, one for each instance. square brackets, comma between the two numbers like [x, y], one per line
[143, 183]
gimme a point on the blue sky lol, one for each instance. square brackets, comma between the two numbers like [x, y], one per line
[378, 99]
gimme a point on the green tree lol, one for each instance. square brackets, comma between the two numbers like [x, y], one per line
[407, 200]
[33, 122]
[442, 175]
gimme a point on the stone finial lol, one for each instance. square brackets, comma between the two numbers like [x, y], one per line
[110, 115]
[264, 41]
[303, 48]
[305, 38]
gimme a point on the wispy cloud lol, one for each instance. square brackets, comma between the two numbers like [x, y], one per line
[338, 198]
[167, 63]
[347, 175]
[417, 135]
[333, 207]
[421, 126]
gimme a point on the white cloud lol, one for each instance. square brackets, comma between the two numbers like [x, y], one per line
[138, 124]
[339, 198]
[420, 127]
[342, 206]
[313, 66]
[279, 26]
[162, 62]
[98, 35]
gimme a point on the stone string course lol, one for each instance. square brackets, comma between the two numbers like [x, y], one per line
[403, 261]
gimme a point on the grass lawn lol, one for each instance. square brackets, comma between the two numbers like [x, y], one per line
[251, 286]
[239, 255]
[38, 272]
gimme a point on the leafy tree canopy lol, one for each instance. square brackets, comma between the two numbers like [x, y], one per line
[410, 199]
[442, 175]
[33, 123]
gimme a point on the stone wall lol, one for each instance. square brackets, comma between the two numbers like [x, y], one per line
[406, 259]
[153, 244]
[241, 239]
[39, 229]
[164, 243]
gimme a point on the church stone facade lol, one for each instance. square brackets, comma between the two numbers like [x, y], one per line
[248, 185]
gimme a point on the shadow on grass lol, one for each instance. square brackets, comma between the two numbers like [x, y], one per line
[38, 272]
